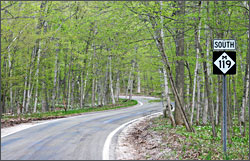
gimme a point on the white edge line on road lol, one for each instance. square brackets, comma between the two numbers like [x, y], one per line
[105, 152]
[47, 121]
[36, 124]
[29, 126]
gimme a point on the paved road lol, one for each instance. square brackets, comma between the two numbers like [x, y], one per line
[74, 138]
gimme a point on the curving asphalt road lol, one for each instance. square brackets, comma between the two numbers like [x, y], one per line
[74, 138]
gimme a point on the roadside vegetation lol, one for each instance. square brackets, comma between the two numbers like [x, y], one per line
[8, 120]
[201, 145]
[152, 101]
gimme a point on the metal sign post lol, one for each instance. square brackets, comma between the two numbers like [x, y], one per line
[224, 62]
[225, 114]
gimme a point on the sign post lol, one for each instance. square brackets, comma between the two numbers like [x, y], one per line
[225, 114]
[224, 63]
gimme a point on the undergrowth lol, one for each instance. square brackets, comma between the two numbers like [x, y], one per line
[120, 104]
[204, 144]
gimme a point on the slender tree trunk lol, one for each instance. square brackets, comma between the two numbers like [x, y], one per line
[205, 106]
[198, 100]
[166, 91]
[24, 92]
[197, 36]
[129, 78]
[197, 39]
[55, 80]
[138, 81]
[105, 87]
[131, 81]
[10, 75]
[58, 85]
[81, 90]
[209, 97]
[44, 95]
[117, 86]
[72, 91]
[29, 92]
[84, 88]
[37, 77]
[69, 82]
[38, 43]
[244, 103]
[93, 77]
[111, 82]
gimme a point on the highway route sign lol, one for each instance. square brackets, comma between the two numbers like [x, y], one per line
[224, 62]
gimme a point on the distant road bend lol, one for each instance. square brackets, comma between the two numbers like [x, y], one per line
[75, 138]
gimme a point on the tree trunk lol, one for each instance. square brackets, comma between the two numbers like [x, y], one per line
[29, 92]
[44, 95]
[166, 91]
[24, 92]
[55, 79]
[198, 100]
[131, 81]
[37, 77]
[209, 97]
[244, 103]
[197, 39]
[72, 91]
[111, 82]
[69, 82]
[179, 81]
[39, 27]
[117, 91]
[10, 75]
[138, 81]
[129, 78]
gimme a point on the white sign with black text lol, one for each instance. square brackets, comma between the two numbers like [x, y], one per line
[224, 44]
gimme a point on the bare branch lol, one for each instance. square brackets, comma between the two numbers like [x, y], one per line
[8, 6]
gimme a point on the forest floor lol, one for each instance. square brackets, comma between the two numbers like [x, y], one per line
[153, 138]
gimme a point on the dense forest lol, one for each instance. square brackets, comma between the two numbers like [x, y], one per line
[77, 54]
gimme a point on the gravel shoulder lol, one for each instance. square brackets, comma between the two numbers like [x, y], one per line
[139, 142]
[19, 127]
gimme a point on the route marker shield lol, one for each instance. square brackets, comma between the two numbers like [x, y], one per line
[224, 62]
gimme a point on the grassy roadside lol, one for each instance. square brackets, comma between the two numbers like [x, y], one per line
[201, 145]
[152, 101]
[61, 113]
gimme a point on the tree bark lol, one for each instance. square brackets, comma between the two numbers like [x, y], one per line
[138, 81]
[197, 39]
[179, 70]
[209, 97]
[72, 91]
[131, 81]
[117, 91]
[111, 81]
[29, 92]
[166, 91]
[55, 79]
[244, 103]
[38, 43]
[198, 100]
